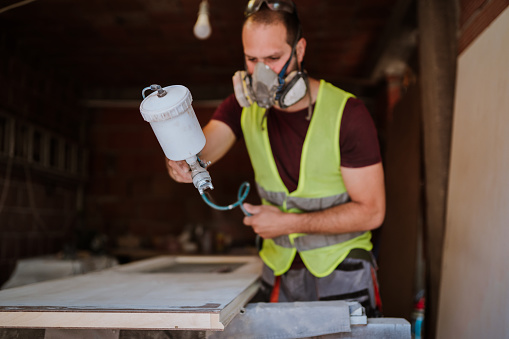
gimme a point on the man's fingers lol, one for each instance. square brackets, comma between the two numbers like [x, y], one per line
[251, 208]
[179, 170]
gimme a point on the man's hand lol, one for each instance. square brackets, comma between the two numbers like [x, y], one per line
[266, 221]
[220, 139]
[364, 212]
[179, 170]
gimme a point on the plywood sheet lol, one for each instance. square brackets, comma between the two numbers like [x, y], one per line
[474, 301]
[157, 293]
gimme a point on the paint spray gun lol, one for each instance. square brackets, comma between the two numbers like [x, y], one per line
[173, 120]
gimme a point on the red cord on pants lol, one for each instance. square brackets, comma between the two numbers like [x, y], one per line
[274, 295]
[378, 300]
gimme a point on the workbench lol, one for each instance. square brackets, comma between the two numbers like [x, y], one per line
[178, 297]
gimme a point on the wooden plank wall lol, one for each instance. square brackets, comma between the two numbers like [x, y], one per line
[474, 302]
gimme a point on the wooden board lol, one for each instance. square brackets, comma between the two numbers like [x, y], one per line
[157, 293]
[474, 298]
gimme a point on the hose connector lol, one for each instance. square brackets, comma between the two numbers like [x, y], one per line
[201, 177]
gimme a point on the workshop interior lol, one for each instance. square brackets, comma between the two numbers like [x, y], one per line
[83, 178]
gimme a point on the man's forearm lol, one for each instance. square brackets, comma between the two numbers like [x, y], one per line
[270, 222]
[364, 212]
[345, 218]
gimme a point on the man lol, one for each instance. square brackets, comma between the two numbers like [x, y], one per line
[317, 166]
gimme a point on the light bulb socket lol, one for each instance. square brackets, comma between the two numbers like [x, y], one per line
[204, 8]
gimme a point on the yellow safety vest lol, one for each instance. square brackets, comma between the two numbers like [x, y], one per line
[320, 185]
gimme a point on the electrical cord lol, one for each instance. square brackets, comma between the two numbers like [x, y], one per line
[241, 196]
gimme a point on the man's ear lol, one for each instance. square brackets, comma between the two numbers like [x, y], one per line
[300, 49]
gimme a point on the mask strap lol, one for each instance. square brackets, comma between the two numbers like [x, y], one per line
[310, 105]
[308, 92]
[281, 75]
[264, 117]
[281, 79]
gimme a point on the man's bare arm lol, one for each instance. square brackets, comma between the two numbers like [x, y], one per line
[365, 211]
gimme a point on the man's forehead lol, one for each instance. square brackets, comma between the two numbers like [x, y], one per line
[250, 25]
[272, 36]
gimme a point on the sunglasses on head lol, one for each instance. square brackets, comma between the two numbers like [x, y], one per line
[253, 6]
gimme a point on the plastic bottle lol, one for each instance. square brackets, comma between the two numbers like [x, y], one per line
[418, 317]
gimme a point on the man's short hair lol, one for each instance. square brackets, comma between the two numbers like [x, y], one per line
[268, 17]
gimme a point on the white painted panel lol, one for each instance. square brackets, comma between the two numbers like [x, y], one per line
[474, 295]
[149, 294]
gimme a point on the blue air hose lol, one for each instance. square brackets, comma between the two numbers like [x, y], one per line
[241, 196]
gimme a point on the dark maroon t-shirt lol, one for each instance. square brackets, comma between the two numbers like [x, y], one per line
[287, 131]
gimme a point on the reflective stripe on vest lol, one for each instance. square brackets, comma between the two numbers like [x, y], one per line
[320, 185]
[313, 241]
[302, 204]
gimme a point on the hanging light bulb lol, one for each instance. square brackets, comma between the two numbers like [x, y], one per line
[202, 27]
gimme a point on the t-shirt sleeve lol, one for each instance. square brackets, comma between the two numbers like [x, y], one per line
[358, 136]
[229, 112]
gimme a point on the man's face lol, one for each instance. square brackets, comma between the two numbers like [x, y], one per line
[267, 44]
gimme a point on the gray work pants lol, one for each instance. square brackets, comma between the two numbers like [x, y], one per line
[353, 280]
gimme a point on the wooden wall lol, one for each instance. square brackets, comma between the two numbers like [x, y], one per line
[474, 301]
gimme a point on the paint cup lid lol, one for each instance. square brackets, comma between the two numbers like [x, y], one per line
[176, 102]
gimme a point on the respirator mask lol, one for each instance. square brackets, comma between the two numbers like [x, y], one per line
[266, 87]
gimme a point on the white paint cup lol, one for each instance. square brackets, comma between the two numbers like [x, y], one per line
[174, 122]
